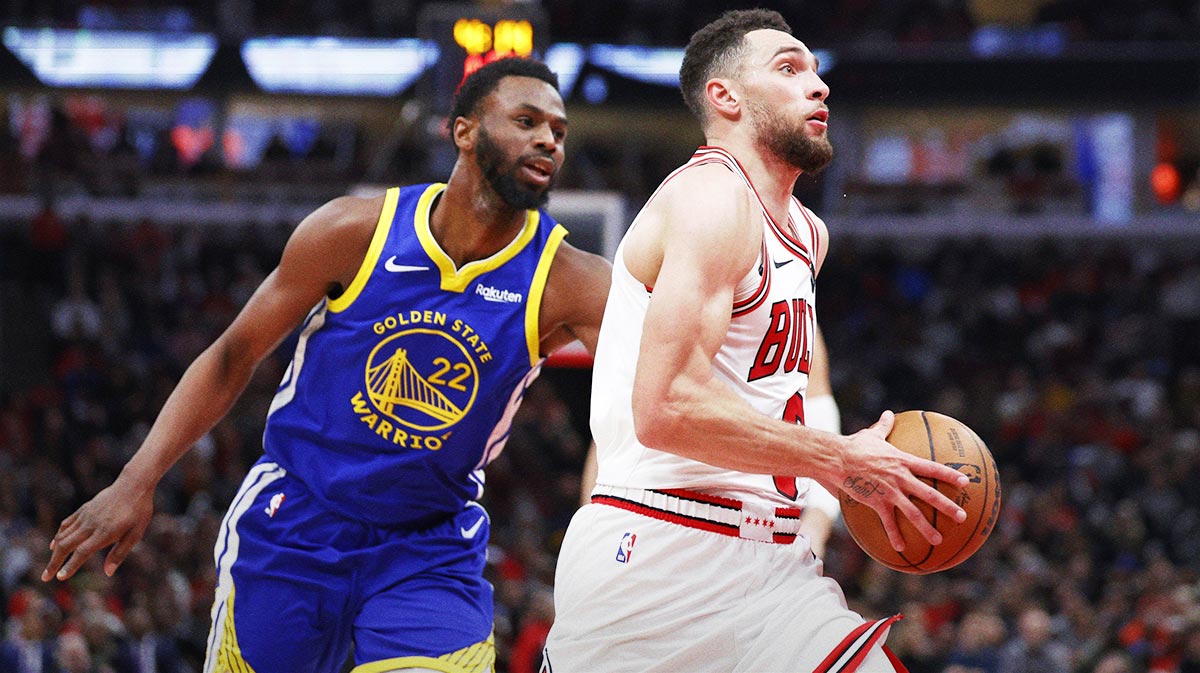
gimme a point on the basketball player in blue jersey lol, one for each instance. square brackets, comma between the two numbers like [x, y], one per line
[424, 315]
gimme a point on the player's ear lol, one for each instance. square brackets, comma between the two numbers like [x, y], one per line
[464, 132]
[723, 97]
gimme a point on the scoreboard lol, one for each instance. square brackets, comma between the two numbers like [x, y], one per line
[468, 36]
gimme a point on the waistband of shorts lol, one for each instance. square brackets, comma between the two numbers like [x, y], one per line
[760, 522]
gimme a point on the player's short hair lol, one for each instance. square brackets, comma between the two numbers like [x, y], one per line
[483, 81]
[714, 51]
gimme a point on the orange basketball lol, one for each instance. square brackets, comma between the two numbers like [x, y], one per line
[936, 437]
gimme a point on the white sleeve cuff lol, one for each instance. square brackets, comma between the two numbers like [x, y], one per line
[821, 413]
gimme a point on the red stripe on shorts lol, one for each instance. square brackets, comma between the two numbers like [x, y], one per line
[669, 517]
[696, 496]
[880, 627]
[894, 659]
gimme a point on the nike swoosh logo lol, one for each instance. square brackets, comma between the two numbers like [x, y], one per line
[392, 266]
[786, 261]
[469, 533]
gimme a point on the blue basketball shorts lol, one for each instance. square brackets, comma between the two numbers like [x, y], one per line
[297, 583]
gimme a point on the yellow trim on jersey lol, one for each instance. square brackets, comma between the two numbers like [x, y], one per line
[229, 654]
[477, 658]
[382, 227]
[454, 279]
[534, 305]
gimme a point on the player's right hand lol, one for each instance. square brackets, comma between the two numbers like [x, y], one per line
[117, 516]
[888, 480]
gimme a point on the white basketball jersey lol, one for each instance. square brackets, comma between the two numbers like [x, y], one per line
[765, 357]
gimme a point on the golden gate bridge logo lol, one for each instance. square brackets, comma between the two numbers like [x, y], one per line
[422, 378]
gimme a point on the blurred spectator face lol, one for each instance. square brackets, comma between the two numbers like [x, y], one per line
[34, 625]
[541, 605]
[511, 591]
[1114, 662]
[979, 631]
[90, 601]
[94, 631]
[73, 654]
[137, 622]
[1035, 627]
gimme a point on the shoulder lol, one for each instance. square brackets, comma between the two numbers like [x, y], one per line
[707, 191]
[704, 217]
[709, 209]
[708, 204]
[333, 240]
[345, 215]
[344, 223]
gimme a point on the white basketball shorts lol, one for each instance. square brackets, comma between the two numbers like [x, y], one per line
[667, 582]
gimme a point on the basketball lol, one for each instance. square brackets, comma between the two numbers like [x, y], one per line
[943, 439]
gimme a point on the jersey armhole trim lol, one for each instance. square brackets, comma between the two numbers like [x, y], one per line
[536, 289]
[382, 227]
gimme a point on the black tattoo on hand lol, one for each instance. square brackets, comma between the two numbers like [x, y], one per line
[863, 488]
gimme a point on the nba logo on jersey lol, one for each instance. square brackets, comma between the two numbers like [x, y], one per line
[625, 549]
[276, 501]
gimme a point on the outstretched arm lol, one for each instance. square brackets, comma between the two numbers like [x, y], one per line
[321, 257]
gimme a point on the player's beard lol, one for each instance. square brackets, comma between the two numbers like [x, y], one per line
[491, 161]
[789, 142]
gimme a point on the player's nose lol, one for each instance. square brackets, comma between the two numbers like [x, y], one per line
[820, 90]
[545, 138]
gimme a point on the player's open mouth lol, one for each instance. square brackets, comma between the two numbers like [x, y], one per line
[819, 119]
[538, 171]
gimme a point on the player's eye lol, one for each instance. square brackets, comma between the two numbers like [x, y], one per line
[787, 67]
[527, 122]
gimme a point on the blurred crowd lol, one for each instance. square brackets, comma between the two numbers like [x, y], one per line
[62, 144]
[1078, 362]
[666, 22]
[206, 144]
[92, 144]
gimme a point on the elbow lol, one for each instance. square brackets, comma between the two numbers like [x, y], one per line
[233, 362]
[657, 421]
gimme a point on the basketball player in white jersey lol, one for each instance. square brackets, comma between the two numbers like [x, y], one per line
[821, 508]
[688, 557]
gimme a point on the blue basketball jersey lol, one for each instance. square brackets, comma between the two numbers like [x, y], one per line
[404, 387]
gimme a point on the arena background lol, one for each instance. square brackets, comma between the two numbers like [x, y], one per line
[1015, 213]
